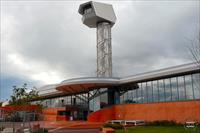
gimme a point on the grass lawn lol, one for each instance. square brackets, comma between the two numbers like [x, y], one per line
[159, 129]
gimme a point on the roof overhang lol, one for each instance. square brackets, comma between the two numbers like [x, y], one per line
[162, 73]
[86, 84]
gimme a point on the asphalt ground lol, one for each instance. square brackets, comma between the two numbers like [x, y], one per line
[52, 129]
[62, 130]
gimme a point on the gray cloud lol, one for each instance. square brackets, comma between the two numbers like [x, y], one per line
[146, 36]
[153, 35]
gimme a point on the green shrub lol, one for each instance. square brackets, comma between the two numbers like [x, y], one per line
[42, 130]
[114, 126]
[2, 128]
[162, 123]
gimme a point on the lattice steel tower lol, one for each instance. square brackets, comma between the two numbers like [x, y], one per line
[100, 16]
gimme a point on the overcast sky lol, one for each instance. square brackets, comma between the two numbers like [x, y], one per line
[46, 42]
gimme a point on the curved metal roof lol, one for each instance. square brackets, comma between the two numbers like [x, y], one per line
[85, 84]
[162, 73]
[47, 89]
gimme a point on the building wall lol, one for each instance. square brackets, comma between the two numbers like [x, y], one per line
[177, 111]
[169, 89]
[102, 115]
[51, 114]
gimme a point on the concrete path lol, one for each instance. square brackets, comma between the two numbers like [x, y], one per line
[61, 130]
[8, 130]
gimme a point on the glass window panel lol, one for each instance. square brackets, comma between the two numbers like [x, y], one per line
[149, 90]
[167, 90]
[54, 102]
[188, 85]
[84, 98]
[91, 105]
[131, 95]
[144, 91]
[174, 88]
[57, 102]
[122, 98]
[69, 100]
[78, 100]
[139, 93]
[155, 91]
[44, 103]
[181, 88]
[103, 100]
[196, 85]
[73, 100]
[135, 96]
[71, 97]
[161, 91]
[88, 10]
[125, 97]
[48, 103]
[96, 103]
[65, 100]
[137, 101]
[81, 99]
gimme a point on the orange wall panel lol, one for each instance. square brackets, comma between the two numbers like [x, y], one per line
[21, 108]
[61, 118]
[52, 111]
[177, 111]
[51, 114]
[50, 117]
[102, 115]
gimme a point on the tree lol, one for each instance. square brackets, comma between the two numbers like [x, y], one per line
[194, 49]
[21, 96]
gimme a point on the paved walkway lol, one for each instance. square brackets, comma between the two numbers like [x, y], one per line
[61, 130]
[72, 124]
[61, 126]
[8, 130]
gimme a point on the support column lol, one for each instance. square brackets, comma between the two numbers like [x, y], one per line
[88, 102]
[104, 50]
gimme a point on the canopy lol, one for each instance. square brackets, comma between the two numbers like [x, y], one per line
[80, 85]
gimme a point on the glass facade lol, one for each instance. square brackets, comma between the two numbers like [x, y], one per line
[78, 100]
[179, 88]
[196, 85]
[174, 90]
[155, 91]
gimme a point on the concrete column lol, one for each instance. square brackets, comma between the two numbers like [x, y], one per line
[104, 50]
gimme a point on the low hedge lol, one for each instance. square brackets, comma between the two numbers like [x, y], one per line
[113, 126]
[42, 130]
[2, 128]
[163, 123]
